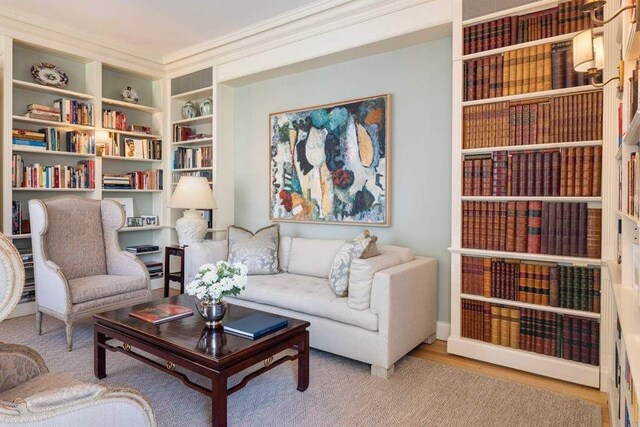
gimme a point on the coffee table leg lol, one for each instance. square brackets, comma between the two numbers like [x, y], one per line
[303, 363]
[219, 401]
[99, 354]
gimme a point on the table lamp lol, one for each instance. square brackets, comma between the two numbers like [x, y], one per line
[191, 193]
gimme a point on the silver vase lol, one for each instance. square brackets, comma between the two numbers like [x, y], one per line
[212, 311]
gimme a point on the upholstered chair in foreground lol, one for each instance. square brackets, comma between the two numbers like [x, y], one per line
[79, 266]
[30, 395]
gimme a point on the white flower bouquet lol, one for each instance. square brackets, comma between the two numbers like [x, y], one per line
[215, 281]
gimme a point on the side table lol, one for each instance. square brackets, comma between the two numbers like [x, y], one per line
[177, 276]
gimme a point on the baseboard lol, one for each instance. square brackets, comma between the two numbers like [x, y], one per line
[443, 330]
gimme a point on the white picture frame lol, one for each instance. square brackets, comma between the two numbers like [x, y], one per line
[126, 203]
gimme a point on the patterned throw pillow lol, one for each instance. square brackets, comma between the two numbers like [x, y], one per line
[353, 249]
[259, 251]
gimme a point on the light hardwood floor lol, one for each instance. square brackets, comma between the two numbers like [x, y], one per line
[437, 352]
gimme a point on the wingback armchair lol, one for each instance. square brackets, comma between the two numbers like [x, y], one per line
[30, 395]
[79, 266]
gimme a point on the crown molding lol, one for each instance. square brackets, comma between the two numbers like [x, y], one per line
[40, 31]
[300, 24]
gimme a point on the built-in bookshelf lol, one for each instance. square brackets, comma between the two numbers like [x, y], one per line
[527, 210]
[50, 145]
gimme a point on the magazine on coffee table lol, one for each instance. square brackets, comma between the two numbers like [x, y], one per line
[161, 313]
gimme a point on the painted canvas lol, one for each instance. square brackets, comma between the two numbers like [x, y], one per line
[329, 163]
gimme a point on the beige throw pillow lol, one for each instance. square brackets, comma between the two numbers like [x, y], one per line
[353, 249]
[259, 251]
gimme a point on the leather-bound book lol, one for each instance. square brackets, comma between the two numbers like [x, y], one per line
[466, 31]
[547, 342]
[551, 228]
[481, 223]
[505, 139]
[567, 339]
[465, 224]
[518, 124]
[545, 284]
[576, 338]
[531, 174]
[493, 64]
[574, 232]
[538, 343]
[544, 229]
[557, 80]
[493, 31]
[511, 227]
[554, 119]
[546, 130]
[539, 68]
[522, 76]
[470, 80]
[532, 64]
[502, 227]
[513, 122]
[536, 290]
[571, 165]
[486, 177]
[594, 232]
[514, 335]
[521, 226]
[524, 329]
[500, 159]
[585, 340]
[582, 230]
[534, 224]
[505, 328]
[467, 177]
[477, 177]
[566, 229]
[586, 284]
[578, 172]
[587, 171]
[514, 74]
[486, 322]
[494, 279]
[486, 72]
[495, 325]
[538, 179]
[525, 69]
[596, 290]
[489, 227]
[594, 358]
[564, 165]
[477, 223]
[506, 70]
[499, 81]
[547, 165]
[523, 282]
[598, 121]
[523, 170]
[465, 274]
[562, 282]
[486, 277]
[554, 288]
[526, 123]
[558, 228]
[515, 174]
[597, 171]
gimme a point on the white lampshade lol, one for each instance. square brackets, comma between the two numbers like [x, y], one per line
[588, 52]
[192, 192]
[102, 137]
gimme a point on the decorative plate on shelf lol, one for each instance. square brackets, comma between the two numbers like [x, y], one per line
[129, 94]
[49, 75]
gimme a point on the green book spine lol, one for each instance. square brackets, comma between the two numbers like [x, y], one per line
[596, 290]
[584, 288]
[562, 270]
[590, 290]
[570, 287]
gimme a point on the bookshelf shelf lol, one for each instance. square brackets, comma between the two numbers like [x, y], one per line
[530, 147]
[135, 134]
[130, 105]
[51, 90]
[533, 95]
[525, 198]
[74, 190]
[631, 218]
[58, 125]
[193, 141]
[120, 190]
[538, 307]
[528, 256]
[19, 149]
[20, 236]
[130, 159]
[143, 228]
[194, 120]
[540, 364]
[206, 168]
[520, 10]
[556, 39]
[631, 135]
[194, 94]
[146, 253]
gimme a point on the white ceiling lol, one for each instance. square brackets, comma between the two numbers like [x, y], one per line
[153, 27]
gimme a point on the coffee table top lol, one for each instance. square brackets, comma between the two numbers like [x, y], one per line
[189, 335]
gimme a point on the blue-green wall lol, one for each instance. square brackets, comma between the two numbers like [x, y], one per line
[419, 80]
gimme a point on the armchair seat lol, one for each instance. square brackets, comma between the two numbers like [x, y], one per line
[89, 288]
[111, 303]
[40, 384]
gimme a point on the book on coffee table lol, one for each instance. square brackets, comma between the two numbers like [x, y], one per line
[161, 313]
[255, 325]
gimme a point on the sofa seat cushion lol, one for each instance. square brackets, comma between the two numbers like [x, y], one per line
[95, 287]
[306, 294]
[41, 383]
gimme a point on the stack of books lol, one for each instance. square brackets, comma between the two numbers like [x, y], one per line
[155, 269]
[43, 112]
[114, 120]
[543, 332]
[182, 133]
[57, 176]
[28, 138]
[73, 111]
[140, 249]
[541, 283]
[116, 182]
[136, 180]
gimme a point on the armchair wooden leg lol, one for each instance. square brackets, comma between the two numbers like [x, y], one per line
[39, 322]
[69, 336]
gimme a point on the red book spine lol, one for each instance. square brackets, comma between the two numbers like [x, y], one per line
[521, 226]
[534, 227]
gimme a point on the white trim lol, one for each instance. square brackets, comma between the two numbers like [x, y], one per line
[443, 330]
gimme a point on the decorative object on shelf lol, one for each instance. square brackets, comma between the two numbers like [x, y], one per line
[191, 193]
[211, 284]
[593, 6]
[49, 75]
[346, 186]
[102, 139]
[129, 94]
[588, 58]
[206, 107]
[189, 110]
[150, 219]
[135, 221]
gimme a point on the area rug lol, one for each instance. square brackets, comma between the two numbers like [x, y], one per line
[341, 393]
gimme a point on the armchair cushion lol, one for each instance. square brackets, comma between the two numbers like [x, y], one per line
[42, 383]
[73, 236]
[85, 289]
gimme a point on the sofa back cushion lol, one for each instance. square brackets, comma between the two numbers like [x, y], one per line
[361, 277]
[313, 257]
[284, 252]
[405, 254]
[74, 239]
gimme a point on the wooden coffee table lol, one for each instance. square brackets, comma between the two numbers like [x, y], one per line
[189, 344]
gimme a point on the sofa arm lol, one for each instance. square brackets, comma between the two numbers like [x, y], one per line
[18, 365]
[404, 297]
[197, 254]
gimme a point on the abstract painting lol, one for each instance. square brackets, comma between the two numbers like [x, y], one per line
[329, 163]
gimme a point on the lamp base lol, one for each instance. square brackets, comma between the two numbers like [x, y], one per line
[191, 228]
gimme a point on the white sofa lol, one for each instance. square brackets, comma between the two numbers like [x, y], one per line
[391, 307]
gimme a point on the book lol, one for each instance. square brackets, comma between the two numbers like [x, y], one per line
[161, 313]
[255, 325]
[142, 248]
